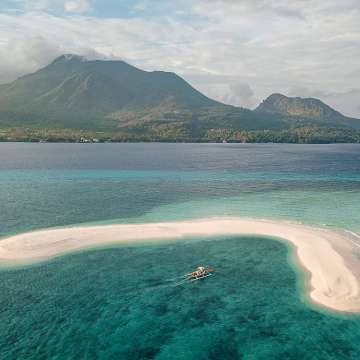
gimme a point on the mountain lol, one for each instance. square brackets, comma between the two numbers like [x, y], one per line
[73, 98]
[73, 88]
[73, 92]
[309, 108]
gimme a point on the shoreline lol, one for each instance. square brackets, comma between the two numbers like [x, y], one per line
[327, 257]
[69, 141]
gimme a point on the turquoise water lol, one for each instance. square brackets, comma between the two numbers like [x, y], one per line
[129, 302]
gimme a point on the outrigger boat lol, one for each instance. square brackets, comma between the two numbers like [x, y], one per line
[200, 273]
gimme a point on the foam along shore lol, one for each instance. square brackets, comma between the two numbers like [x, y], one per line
[328, 256]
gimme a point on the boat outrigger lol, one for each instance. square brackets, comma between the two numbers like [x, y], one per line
[200, 273]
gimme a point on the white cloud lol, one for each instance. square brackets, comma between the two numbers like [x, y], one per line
[77, 6]
[69, 6]
[22, 55]
[236, 51]
[241, 94]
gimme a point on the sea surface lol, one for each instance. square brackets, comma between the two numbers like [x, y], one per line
[130, 302]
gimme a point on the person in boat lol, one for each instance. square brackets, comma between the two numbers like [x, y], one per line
[200, 272]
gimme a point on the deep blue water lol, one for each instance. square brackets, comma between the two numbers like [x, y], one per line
[124, 303]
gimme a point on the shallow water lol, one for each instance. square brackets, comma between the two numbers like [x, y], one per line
[130, 303]
[103, 305]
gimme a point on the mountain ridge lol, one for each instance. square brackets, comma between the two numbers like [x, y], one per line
[298, 106]
[73, 92]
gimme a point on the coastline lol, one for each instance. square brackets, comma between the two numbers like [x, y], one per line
[176, 141]
[327, 256]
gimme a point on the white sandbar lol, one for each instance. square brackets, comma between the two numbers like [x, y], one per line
[328, 256]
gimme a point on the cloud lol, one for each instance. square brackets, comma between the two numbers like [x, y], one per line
[77, 6]
[25, 54]
[68, 6]
[239, 94]
[236, 51]
[281, 8]
[242, 92]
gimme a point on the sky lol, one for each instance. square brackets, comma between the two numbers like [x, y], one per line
[236, 51]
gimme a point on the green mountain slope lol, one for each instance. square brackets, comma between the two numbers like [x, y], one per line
[73, 97]
[71, 89]
[305, 110]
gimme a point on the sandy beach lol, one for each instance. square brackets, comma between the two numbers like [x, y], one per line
[327, 256]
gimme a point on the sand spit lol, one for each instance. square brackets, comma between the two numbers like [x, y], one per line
[328, 256]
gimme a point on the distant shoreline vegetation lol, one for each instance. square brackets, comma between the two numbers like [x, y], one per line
[77, 100]
[304, 135]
